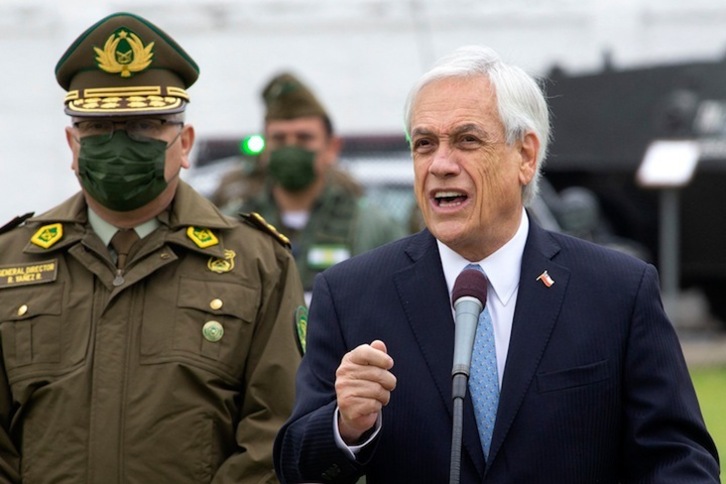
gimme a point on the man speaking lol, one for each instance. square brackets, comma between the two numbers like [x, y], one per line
[576, 374]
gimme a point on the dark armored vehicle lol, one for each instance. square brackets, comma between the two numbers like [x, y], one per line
[603, 124]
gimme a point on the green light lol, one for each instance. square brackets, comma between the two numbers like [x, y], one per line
[252, 145]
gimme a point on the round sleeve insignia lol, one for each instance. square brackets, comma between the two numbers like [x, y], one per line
[301, 328]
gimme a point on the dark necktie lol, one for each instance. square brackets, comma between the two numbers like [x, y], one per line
[122, 242]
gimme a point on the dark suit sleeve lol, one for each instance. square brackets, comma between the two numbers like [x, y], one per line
[305, 448]
[664, 437]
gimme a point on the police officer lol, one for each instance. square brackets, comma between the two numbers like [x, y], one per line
[318, 206]
[146, 337]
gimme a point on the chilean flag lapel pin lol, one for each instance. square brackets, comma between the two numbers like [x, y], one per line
[546, 279]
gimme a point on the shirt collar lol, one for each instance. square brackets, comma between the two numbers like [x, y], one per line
[106, 231]
[502, 268]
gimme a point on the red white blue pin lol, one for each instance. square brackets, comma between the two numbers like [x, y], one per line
[546, 279]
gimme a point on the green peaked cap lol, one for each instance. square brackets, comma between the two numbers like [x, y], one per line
[124, 65]
[286, 97]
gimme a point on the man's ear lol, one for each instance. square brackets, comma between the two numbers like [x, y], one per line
[187, 142]
[335, 144]
[73, 145]
[528, 151]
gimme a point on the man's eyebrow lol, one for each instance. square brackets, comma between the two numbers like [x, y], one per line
[471, 128]
[420, 132]
[304, 134]
[457, 131]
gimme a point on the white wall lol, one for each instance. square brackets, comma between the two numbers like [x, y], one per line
[360, 55]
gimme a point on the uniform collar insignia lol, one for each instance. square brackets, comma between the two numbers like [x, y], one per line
[202, 237]
[47, 235]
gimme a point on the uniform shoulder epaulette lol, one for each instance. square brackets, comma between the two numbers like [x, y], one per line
[256, 220]
[15, 222]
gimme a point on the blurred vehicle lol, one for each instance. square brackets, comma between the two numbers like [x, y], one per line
[603, 123]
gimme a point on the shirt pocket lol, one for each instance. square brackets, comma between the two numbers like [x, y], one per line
[210, 326]
[573, 377]
[30, 327]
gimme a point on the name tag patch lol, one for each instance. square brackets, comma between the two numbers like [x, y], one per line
[26, 274]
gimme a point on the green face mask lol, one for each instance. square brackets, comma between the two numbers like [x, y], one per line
[292, 167]
[122, 174]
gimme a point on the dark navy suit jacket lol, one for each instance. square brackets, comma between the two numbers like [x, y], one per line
[595, 387]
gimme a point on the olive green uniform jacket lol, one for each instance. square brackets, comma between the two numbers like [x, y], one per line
[182, 373]
[342, 224]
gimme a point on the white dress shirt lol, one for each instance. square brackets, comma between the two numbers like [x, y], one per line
[502, 268]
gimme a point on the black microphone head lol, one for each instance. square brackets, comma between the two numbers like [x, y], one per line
[472, 283]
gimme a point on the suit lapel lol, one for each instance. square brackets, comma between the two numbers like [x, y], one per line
[429, 314]
[427, 307]
[535, 315]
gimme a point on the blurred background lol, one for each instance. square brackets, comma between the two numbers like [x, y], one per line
[620, 75]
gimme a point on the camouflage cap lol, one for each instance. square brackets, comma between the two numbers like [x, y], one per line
[123, 66]
[287, 98]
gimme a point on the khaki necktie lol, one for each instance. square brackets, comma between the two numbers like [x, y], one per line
[122, 242]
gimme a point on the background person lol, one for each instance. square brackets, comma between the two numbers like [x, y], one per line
[168, 355]
[305, 195]
[589, 382]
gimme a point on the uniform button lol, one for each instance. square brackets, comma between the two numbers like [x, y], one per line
[212, 331]
[216, 304]
[22, 310]
[164, 256]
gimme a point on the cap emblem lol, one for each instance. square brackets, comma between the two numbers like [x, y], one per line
[124, 53]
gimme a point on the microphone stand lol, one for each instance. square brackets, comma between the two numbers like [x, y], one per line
[469, 297]
[458, 392]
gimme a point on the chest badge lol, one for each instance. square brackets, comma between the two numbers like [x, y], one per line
[47, 235]
[220, 266]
